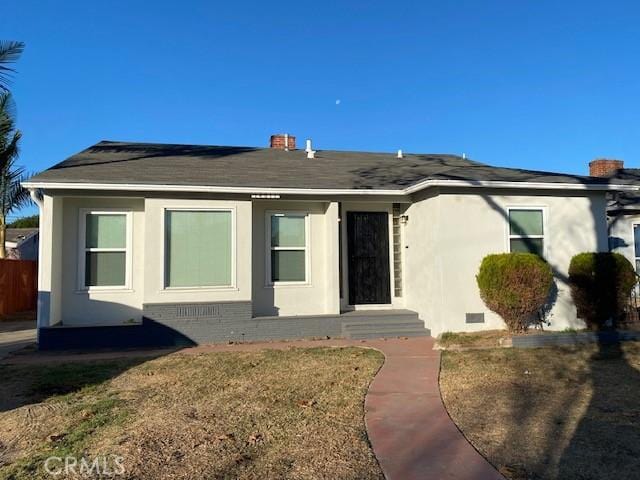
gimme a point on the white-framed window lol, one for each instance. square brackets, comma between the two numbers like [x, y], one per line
[636, 246]
[527, 230]
[199, 248]
[104, 261]
[287, 256]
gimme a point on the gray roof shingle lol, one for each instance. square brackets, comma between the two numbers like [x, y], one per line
[112, 162]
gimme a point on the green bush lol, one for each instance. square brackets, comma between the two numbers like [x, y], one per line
[601, 284]
[515, 286]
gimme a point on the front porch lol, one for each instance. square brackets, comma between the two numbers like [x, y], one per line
[172, 331]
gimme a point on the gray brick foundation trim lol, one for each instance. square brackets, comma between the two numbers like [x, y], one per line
[184, 324]
[202, 322]
[568, 339]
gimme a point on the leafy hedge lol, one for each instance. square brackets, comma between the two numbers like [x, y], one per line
[601, 284]
[515, 286]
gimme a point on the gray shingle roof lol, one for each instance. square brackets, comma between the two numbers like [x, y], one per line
[169, 164]
[16, 235]
[625, 200]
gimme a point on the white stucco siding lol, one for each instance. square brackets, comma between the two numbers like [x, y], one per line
[106, 307]
[320, 293]
[449, 235]
[155, 290]
[621, 233]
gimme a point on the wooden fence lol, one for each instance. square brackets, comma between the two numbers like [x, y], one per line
[18, 286]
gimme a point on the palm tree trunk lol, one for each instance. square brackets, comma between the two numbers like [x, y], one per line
[3, 235]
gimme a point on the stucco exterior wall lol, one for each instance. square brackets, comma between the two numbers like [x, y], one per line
[321, 292]
[106, 307]
[448, 235]
[621, 233]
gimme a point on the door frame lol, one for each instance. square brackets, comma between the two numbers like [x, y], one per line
[365, 207]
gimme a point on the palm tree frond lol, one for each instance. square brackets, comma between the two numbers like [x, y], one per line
[9, 152]
[10, 52]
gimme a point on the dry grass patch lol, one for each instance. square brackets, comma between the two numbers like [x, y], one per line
[549, 413]
[462, 340]
[294, 413]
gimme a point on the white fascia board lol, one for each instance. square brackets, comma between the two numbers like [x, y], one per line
[323, 191]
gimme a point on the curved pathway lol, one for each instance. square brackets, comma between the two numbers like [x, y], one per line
[411, 433]
[408, 426]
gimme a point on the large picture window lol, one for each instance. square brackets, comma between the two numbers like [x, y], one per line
[198, 248]
[287, 237]
[526, 230]
[104, 258]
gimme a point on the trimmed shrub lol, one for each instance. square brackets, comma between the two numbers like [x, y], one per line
[515, 286]
[601, 284]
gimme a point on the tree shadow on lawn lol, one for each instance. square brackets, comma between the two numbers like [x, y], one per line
[26, 384]
[606, 443]
[582, 422]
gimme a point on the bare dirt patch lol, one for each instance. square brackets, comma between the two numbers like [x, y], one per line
[549, 413]
[294, 413]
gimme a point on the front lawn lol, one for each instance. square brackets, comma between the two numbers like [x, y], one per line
[294, 413]
[549, 413]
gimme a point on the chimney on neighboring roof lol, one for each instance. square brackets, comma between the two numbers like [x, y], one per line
[283, 141]
[603, 167]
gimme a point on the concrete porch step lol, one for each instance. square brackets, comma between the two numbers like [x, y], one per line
[364, 335]
[362, 324]
[382, 326]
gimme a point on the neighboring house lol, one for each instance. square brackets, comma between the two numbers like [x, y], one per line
[623, 209]
[154, 243]
[22, 243]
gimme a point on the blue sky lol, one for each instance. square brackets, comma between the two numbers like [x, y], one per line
[535, 84]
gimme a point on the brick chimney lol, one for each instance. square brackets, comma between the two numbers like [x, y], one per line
[603, 167]
[283, 141]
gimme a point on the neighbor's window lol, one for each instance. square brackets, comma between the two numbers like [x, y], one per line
[526, 230]
[198, 248]
[636, 243]
[288, 242]
[105, 249]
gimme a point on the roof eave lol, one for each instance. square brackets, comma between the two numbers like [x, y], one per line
[327, 191]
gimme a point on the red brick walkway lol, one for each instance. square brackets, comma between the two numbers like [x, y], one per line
[408, 426]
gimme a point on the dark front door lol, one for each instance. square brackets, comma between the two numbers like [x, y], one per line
[368, 244]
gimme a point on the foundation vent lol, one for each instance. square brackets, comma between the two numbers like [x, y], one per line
[197, 311]
[474, 318]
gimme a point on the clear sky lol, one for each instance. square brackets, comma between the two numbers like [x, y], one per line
[535, 84]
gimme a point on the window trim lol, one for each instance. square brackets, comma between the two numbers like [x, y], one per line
[269, 248]
[82, 249]
[163, 249]
[545, 231]
[636, 254]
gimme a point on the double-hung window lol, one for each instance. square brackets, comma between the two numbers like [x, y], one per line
[198, 248]
[636, 246]
[526, 230]
[288, 252]
[105, 249]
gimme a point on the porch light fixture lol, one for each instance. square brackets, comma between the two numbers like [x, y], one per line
[404, 219]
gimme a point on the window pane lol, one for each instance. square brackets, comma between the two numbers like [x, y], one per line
[198, 249]
[636, 239]
[525, 222]
[106, 231]
[527, 245]
[287, 231]
[105, 269]
[287, 266]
